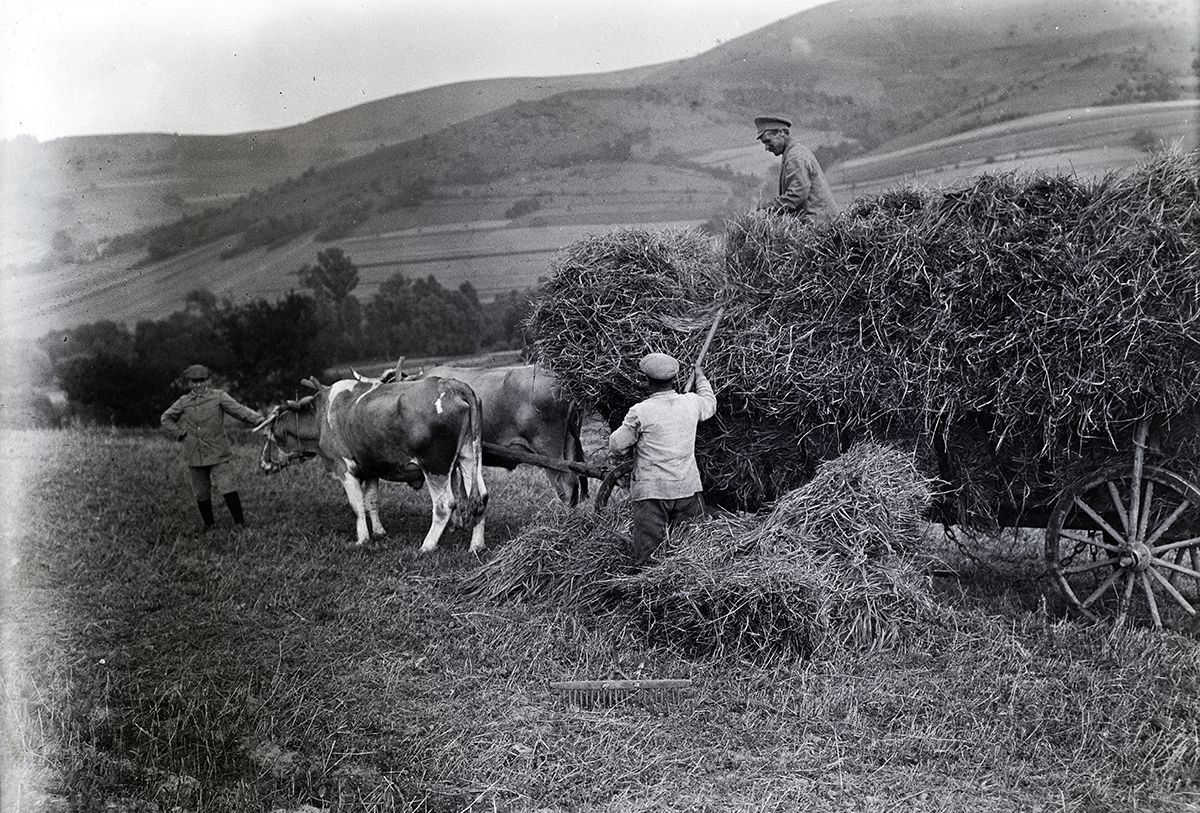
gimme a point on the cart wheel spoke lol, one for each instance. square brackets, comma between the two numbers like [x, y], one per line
[1144, 513]
[1126, 595]
[1175, 594]
[1135, 481]
[1166, 524]
[1087, 540]
[1075, 570]
[1118, 505]
[1193, 543]
[1187, 571]
[1151, 600]
[1099, 591]
[1099, 520]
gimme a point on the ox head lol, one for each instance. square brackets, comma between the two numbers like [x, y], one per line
[293, 432]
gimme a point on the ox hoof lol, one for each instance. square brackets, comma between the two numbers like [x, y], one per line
[427, 549]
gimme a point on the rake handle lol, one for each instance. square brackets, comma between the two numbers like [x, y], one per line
[712, 331]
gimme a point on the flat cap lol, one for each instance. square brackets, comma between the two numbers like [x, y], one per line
[764, 123]
[659, 366]
[196, 371]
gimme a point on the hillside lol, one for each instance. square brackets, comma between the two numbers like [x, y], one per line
[459, 239]
[885, 92]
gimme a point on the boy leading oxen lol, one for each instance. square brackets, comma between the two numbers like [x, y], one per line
[413, 432]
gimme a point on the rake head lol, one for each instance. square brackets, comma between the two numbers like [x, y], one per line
[605, 693]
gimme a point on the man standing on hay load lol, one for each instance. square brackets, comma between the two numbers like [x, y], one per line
[661, 430]
[803, 190]
[197, 420]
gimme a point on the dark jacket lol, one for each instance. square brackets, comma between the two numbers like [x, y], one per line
[198, 420]
[803, 189]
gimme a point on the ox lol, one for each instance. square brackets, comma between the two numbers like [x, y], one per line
[524, 409]
[406, 431]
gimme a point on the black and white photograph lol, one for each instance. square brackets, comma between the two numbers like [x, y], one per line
[521, 406]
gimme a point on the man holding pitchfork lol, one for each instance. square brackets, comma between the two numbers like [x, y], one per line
[661, 430]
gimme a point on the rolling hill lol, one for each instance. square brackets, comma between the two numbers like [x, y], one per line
[485, 180]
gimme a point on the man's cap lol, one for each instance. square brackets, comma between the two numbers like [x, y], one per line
[764, 123]
[659, 366]
[196, 371]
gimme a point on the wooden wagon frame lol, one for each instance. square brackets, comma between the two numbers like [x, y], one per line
[1124, 534]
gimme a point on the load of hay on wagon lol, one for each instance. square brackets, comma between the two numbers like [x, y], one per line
[1018, 326]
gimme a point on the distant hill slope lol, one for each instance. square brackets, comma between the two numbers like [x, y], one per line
[460, 240]
[885, 91]
[943, 66]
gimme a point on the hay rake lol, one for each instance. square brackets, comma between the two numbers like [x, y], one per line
[663, 693]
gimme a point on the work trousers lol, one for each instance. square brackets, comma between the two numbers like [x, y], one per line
[206, 479]
[652, 518]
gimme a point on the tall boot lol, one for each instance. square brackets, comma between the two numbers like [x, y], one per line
[234, 503]
[206, 513]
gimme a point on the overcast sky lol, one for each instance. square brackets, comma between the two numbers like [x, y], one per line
[77, 67]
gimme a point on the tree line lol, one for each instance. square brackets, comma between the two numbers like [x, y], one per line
[260, 349]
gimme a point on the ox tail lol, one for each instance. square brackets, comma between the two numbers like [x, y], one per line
[574, 438]
[466, 477]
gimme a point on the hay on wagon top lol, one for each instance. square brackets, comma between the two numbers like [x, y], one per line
[1030, 319]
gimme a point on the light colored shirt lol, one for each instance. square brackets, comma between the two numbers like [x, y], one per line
[803, 189]
[662, 432]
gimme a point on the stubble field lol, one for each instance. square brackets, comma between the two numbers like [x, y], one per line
[149, 667]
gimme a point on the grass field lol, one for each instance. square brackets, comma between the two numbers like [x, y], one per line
[151, 667]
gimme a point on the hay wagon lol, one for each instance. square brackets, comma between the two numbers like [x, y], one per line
[1058, 311]
[1122, 535]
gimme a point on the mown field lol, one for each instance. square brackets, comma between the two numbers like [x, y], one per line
[151, 667]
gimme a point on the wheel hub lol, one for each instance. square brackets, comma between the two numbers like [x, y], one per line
[1136, 557]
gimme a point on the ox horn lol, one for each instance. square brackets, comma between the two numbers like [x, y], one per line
[312, 383]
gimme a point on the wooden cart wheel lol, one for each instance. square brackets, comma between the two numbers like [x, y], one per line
[614, 478]
[1127, 539]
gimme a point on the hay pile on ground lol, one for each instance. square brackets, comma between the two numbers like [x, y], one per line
[826, 569]
[812, 577]
[1039, 316]
[865, 503]
[566, 557]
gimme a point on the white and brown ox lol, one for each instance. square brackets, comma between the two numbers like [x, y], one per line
[414, 432]
[524, 408]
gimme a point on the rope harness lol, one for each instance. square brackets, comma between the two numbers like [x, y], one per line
[267, 461]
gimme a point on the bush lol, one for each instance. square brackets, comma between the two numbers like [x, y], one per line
[523, 207]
